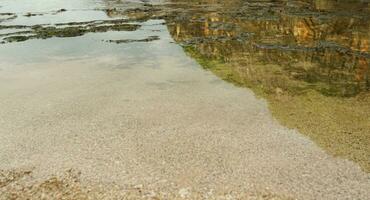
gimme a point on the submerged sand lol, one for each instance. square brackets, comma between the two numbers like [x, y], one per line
[162, 124]
[82, 118]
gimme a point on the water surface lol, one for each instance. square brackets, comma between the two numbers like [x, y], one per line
[189, 97]
[310, 59]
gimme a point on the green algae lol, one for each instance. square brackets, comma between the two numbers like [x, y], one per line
[339, 125]
[148, 39]
[311, 64]
[15, 33]
[68, 29]
[17, 38]
[313, 74]
[3, 27]
[44, 32]
[7, 16]
[33, 14]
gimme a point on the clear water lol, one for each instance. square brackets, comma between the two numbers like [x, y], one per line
[309, 59]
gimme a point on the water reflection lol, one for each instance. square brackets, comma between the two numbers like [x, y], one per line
[307, 45]
[309, 59]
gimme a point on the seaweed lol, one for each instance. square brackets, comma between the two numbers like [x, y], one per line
[148, 39]
[44, 32]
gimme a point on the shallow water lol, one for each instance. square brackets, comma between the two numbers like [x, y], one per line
[309, 59]
[305, 45]
[312, 54]
[134, 92]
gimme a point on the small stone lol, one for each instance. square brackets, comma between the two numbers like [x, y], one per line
[151, 194]
[138, 186]
[184, 192]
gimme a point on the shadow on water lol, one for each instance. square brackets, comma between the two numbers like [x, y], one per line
[309, 59]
